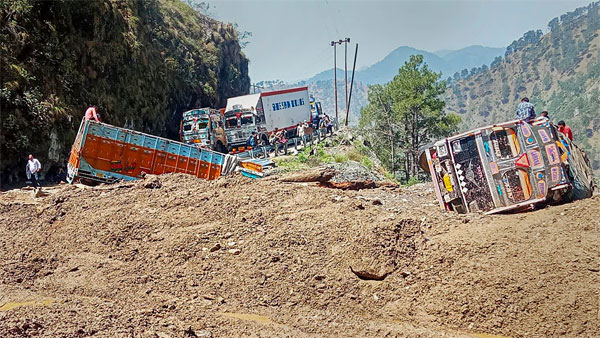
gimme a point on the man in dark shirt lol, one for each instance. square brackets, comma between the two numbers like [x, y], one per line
[525, 111]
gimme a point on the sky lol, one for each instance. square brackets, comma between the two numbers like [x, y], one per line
[291, 39]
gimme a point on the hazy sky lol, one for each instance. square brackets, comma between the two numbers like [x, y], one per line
[291, 39]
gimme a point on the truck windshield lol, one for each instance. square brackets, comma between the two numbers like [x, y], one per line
[506, 144]
[231, 122]
[191, 126]
[247, 119]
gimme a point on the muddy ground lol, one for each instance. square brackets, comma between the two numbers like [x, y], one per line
[181, 257]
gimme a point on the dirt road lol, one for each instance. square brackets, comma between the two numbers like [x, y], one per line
[235, 257]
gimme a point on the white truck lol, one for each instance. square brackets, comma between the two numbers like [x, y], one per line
[264, 113]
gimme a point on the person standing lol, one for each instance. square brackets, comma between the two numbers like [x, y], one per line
[300, 132]
[566, 130]
[33, 171]
[251, 142]
[329, 124]
[525, 111]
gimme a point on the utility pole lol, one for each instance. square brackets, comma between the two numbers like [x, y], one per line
[346, 41]
[334, 44]
[351, 83]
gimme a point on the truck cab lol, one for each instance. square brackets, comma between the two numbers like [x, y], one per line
[239, 124]
[507, 166]
[204, 128]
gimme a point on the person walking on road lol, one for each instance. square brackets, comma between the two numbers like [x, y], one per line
[525, 111]
[33, 171]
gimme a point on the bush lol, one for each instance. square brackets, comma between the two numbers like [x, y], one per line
[367, 162]
[355, 156]
[340, 158]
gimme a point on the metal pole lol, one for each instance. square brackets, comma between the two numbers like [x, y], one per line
[351, 83]
[333, 43]
[346, 71]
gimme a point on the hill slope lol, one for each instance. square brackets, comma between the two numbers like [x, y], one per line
[558, 71]
[141, 63]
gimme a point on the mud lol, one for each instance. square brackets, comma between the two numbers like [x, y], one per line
[182, 257]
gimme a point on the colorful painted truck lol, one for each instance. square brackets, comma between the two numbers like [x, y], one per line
[507, 166]
[105, 153]
[263, 113]
[204, 128]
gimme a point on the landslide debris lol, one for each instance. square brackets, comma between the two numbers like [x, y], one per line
[241, 257]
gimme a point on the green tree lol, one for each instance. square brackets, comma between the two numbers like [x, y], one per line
[405, 114]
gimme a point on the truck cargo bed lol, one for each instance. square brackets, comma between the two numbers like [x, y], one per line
[106, 153]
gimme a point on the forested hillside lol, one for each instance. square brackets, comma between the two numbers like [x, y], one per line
[559, 71]
[141, 62]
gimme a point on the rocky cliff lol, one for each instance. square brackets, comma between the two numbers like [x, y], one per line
[141, 62]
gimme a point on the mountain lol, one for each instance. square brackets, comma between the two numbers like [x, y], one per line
[448, 62]
[384, 70]
[141, 62]
[469, 57]
[559, 72]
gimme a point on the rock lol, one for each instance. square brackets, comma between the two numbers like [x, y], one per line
[204, 333]
[377, 201]
[152, 182]
[215, 247]
[234, 251]
[229, 234]
[371, 274]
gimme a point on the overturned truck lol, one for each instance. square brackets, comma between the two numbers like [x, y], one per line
[103, 153]
[508, 166]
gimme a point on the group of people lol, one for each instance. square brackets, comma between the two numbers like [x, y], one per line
[302, 131]
[525, 111]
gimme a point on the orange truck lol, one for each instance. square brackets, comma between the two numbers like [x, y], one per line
[105, 153]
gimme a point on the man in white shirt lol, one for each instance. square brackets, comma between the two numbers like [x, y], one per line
[33, 171]
[300, 132]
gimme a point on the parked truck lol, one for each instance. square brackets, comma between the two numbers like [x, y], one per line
[104, 153]
[264, 113]
[204, 128]
[507, 166]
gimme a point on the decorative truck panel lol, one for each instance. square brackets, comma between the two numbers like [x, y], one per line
[507, 166]
[106, 153]
[286, 108]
